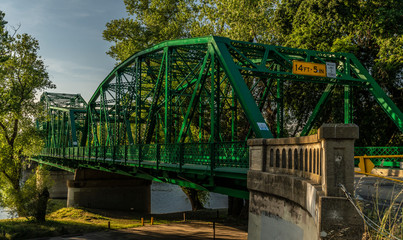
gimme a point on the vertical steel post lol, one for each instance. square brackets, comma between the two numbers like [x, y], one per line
[234, 116]
[168, 117]
[116, 135]
[348, 104]
[137, 82]
[280, 107]
[212, 95]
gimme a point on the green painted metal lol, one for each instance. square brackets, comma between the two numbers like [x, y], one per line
[245, 98]
[64, 113]
[319, 106]
[348, 104]
[280, 109]
[381, 162]
[188, 164]
[384, 101]
[179, 107]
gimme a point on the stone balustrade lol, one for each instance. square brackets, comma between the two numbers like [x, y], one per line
[294, 185]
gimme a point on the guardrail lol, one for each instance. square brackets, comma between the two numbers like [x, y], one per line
[226, 154]
[380, 156]
[366, 165]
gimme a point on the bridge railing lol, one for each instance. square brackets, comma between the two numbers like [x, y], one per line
[324, 159]
[302, 157]
[390, 162]
[215, 155]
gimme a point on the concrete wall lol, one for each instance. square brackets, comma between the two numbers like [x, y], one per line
[103, 190]
[59, 187]
[293, 185]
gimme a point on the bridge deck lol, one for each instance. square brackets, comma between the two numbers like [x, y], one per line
[216, 167]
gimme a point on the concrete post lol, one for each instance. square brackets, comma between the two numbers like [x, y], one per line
[103, 190]
[338, 157]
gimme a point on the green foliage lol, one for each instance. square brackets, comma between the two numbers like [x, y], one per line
[22, 75]
[149, 23]
[25, 201]
[3, 37]
[243, 20]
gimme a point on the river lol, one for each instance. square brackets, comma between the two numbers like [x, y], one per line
[168, 198]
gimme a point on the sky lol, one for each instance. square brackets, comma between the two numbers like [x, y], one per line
[70, 38]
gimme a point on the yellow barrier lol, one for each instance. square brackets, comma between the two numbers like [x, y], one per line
[366, 165]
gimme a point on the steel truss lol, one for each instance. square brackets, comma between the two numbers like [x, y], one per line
[64, 119]
[193, 102]
[198, 90]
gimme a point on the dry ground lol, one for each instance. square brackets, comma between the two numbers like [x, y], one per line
[193, 230]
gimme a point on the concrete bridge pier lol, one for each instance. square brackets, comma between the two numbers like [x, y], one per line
[103, 190]
[59, 187]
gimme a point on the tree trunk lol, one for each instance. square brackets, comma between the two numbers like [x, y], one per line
[192, 194]
[235, 206]
[41, 205]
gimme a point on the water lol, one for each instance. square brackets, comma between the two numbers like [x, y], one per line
[168, 198]
[3, 214]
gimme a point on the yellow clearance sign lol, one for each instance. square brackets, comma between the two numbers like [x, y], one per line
[308, 68]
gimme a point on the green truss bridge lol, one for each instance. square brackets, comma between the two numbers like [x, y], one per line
[181, 111]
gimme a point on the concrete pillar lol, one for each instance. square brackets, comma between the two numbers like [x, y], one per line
[338, 157]
[59, 186]
[103, 190]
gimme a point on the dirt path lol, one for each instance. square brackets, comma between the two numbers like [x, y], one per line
[188, 230]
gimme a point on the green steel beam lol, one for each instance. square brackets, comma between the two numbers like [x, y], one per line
[167, 117]
[192, 106]
[348, 104]
[130, 60]
[318, 108]
[57, 165]
[241, 89]
[383, 100]
[73, 128]
[280, 108]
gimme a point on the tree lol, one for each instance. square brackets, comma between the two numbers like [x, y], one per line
[243, 20]
[3, 37]
[154, 21]
[197, 198]
[22, 75]
[371, 30]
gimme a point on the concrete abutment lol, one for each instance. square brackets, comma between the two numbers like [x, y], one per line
[294, 186]
[103, 190]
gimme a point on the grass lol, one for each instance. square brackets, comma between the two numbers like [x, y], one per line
[75, 221]
[388, 215]
[64, 221]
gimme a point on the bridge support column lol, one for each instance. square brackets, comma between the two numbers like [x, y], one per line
[59, 187]
[103, 190]
[293, 184]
